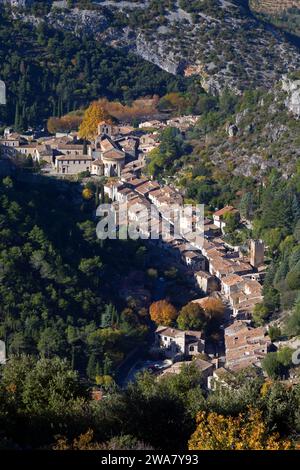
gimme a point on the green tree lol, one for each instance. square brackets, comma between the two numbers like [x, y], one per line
[192, 317]
[51, 342]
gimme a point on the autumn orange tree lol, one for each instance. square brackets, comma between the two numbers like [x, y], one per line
[214, 308]
[247, 431]
[94, 114]
[163, 313]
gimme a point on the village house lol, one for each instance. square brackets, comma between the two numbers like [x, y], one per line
[138, 209]
[134, 167]
[148, 142]
[146, 188]
[44, 154]
[11, 143]
[178, 344]
[127, 175]
[205, 368]
[218, 216]
[124, 194]
[134, 182]
[111, 187]
[183, 123]
[211, 249]
[28, 149]
[129, 145]
[231, 284]
[165, 197]
[245, 298]
[97, 168]
[206, 282]
[210, 229]
[154, 124]
[245, 346]
[72, 165]
[192, 259]
[70, 149]
[219, 378]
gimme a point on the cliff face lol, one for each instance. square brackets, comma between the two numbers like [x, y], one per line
[262, 135]
[292, 87]
[218, 40]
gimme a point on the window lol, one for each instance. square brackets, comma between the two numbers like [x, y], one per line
[192, 348]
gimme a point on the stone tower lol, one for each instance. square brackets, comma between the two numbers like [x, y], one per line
[257, 253]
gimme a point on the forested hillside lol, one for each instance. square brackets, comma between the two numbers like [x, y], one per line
[220, 42]
[58, 283]
[44, 406]
[283, 13]
[49, 73]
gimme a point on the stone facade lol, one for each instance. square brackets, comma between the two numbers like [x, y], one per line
[69, 165]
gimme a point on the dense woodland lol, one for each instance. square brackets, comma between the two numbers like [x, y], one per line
[44, 405]
[58, 282]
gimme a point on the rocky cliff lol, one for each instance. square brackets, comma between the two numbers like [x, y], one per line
[291, 85]
[218, 40]
[263, 133]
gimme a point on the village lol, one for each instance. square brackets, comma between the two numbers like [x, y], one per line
[218, 270]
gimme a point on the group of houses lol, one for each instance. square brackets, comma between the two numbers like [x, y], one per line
[114, 147]
[107, 155]
[214, 266]
[67, 155]
[118, 153]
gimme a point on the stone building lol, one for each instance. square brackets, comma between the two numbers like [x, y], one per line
[72, 165]
[178, 344]
[257, 253]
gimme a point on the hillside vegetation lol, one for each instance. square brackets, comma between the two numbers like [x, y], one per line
[49, 73]
[219, 41]
[285, 14]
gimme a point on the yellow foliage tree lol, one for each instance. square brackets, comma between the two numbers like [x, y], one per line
[244, 432]
[94, 114]
[83, 442]
[87, 194]
[163, 313]
[105, 381]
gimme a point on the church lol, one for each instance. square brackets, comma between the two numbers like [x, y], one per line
[113, 149]
[107, 156]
